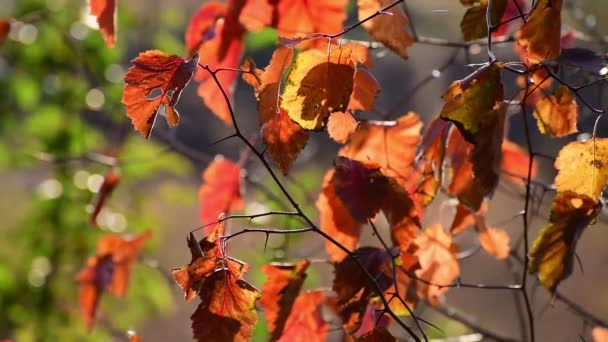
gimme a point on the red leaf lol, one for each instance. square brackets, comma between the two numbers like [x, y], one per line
[108, 270]
[154, 70]
[510, 12]
[284, 140]
[220, 191]
[380, 334]
[306, 323]
[515, 163]
[227, 309]
[110, 181]
[5, 28]
[336, 220]
[105, 11]
[279, 293]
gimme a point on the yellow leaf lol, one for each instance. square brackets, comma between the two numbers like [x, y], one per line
[540, 35]
[583, 167]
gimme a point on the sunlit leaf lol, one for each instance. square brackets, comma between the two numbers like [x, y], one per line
[110, 182]
[474, 24]
[284, 140]
[389, 29]
[557, 114]
[105, 12]
[380, 334]
[306, 323]
[5, 28]
[539, 36]
[154, 70]
[340, 126]
[515, 163]
[582, 167]
[552, 254]
[599, 334]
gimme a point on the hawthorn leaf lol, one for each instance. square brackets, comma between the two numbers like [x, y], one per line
[220, 191]
[557, 114]
[108, 270]
[539, 37]
[319, 85]
[365, 90]
[390, 28]
[438, 263]
[552, 254]
[152, 70]
[227, 309]
[390, 144]
[582, 167]
[306, 323]
[335, 220]
[279, 293]
[110, 182]
[379, 334]
[515, 163]
[284, 140]
[5, 28]
[105, 12]
[340, 126]
[216, 35]
[474, 24]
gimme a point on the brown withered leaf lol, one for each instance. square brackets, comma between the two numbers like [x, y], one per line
[389, 29]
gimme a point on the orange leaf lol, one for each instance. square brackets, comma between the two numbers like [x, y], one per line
[557, 114]
[438, 262]
[539, 36]
[319, 85]
[459, 168]
[227, 309]
[340, 126]
[279, 293]
[464, 218]
[515, 163]
[365, 90]
[215, 31]
[335, 219]
[306, 323]
[110, 181]
[5, 28]
[380, 334]
[552, 254]
[388, 29]
[390, 144]
[105, 11]
[108, 270]
[599, 334]
[495, 241]
[220, 191]
[284, 140]
[154, 70]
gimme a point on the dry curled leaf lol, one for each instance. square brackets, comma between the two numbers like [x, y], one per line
[539, 37]
[389, 28]
[155, 70]
[582, 167]
[557, 114]
[105, 12]
[552, 254]
[220, 191]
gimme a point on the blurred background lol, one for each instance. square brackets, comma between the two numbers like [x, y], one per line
[62, 123]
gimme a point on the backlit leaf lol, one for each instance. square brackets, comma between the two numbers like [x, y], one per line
[340, 126]
[279, 293]
[93, 280]
[389, 29]
[335, 219]
[284, 140]
[438, 263]
[515, 163]
[539, 36]
[319, 85]
[474, 24]
[5, 28]
[105, 12]
[110, 181]
[306, 323]
[380, 334]
[552, 254]
[599, 334]
[495, 241]
[220, 191]
[154, 70]
[511, 11]
[557, 114]
[582, 167]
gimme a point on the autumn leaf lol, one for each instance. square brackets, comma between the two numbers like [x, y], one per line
[365, 90]
[390, 144]
[511, 11]
[599, 334]
[319, 85]
[438, 263]
[108, 270]
[372, 319]
[105, 12]
[279, 293]
[582, 168]
[380, 334]
[284, 140]
[110, 181]
[552, 254]
[154, 70]
[306, 323]
[474, 24]
[464, 218]
[539, 36]
[216, 35]
[515, 163]
[335, 220]
[557, 114]
[354, 288]
[389, 28]
[495, 241]
[5, 28]
[220, 191]
[227, 309]
[294, 17]
[340, 126]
